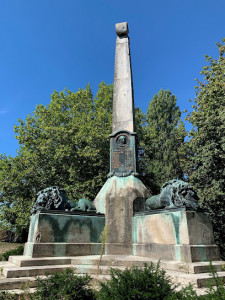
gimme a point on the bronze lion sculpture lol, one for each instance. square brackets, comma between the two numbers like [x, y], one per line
[174, 193]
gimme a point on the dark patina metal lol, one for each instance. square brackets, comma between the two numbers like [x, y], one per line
[55, 199]
[174, 193]
[123, 154]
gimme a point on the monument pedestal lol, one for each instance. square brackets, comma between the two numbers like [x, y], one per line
[175, 234]
[120, 198]
[54, 234]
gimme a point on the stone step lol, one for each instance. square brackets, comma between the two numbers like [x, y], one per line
[202, 267]
[116, 260]
[15, 272]
[25, 283]
[198, 280]
[18, 283]
[21, 291]
[22, 261]
[18, 277]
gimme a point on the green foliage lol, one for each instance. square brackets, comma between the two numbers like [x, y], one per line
[163, 141]
[64, 285]
[17, 251]
[8, 296]
[16, 194]
[216, 287]
[137, 283]
[206, 168]
[64, 143]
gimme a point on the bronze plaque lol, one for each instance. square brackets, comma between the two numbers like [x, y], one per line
[123, 154]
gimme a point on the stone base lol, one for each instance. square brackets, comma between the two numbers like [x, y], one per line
[175, 235]
[130, 187]
[119, 199]
[61, 249]
[118, 249]
[64, 235]
[184, 253]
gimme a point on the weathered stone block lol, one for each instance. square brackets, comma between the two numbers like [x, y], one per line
[61, 249]
[119, 199]
[118, 249]
[184, 253]
[58, 234]
[177, 227]
[175, 235]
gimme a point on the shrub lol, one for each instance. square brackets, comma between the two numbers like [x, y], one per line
[8, 296]
[216, 286]
[16, 251]
[64, 285]
[139, 283]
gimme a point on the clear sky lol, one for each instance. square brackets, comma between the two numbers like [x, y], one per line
[47, 45]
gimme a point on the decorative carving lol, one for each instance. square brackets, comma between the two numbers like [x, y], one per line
[174, 193]
[122, 140]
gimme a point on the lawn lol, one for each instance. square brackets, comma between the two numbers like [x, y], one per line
[4, 246]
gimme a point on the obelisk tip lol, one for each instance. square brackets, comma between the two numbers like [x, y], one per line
[122, 29]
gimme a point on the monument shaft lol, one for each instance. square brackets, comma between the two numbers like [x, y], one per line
[123, 138]
[123, 102]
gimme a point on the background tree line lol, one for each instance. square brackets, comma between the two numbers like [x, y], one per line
[66, 143]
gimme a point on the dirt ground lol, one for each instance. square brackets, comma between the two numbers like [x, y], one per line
[8, 246]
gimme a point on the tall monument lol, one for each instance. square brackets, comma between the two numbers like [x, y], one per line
[123, 138]
[123, 194]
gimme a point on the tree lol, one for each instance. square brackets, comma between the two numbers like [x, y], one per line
[163, 141]
[64, 143]
[206, 166]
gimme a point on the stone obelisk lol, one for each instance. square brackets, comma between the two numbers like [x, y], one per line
[123, 194]
[123, 102]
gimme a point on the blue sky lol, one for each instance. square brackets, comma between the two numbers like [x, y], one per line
[47, 45]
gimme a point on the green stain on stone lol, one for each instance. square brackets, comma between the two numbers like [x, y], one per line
[65, 228]
[28, 249]
[134, 233]
[33, 225]
[59, 250]
[177, 252]
[113, 185]
[176, 222]
[134, 250]
[202, 253]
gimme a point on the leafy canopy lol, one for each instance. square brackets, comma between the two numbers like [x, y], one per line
[163, 142]
[64, 143]
[207, 141]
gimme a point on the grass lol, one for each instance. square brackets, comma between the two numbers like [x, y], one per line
[4, 246]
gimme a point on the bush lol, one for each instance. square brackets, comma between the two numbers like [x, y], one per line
[7, 296]
[16, 251]
[139, 283]
[64, 285]
[216, 286]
